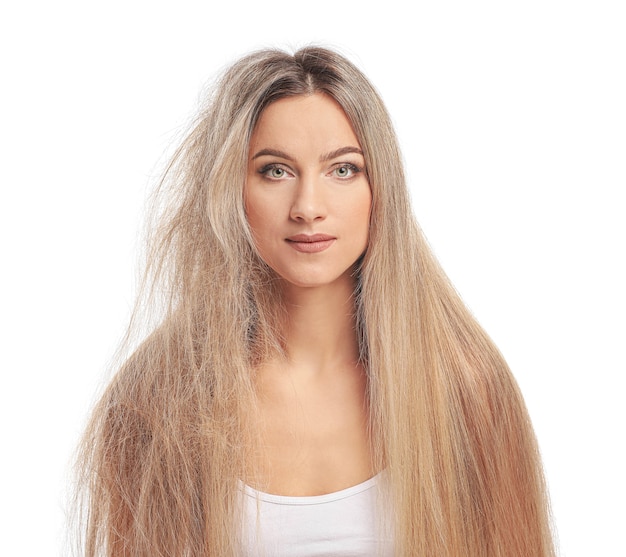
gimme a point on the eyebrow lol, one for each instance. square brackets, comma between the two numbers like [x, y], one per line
[324, 158]
[340, 152]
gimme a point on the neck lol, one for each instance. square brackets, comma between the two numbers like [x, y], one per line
[320, 328]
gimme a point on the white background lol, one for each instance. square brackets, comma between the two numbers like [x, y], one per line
[512, 120]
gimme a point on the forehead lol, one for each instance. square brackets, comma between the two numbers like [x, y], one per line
[303, 122]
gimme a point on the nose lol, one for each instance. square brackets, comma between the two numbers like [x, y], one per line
[309, 203]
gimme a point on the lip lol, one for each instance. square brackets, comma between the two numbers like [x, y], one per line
[310, 243]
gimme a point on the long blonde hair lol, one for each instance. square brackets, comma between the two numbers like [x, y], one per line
[168, 442]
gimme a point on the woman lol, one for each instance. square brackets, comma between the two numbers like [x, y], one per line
[310, 347]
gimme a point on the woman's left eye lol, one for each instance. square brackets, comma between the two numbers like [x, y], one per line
[345, 171]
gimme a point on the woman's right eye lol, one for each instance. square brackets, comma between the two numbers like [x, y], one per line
[273, 172]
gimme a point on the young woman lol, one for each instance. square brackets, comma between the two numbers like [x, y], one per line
[314, 385]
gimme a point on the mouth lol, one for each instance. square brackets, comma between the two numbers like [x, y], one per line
[312, 243]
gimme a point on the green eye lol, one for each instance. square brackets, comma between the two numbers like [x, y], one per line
[273, 172]
[345, 171]
[276, 172]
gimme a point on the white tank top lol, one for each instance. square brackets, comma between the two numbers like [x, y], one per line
[347, 523]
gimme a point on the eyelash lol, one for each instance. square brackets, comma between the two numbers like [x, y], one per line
[353, 168]
[265, 170]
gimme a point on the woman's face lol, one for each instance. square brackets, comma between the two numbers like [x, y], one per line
[307, 196]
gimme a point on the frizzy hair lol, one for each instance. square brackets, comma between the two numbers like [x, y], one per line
[169, 440]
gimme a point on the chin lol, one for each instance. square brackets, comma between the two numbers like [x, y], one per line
[343, 280]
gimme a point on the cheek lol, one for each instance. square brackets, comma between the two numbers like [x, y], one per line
[361, 210]
[261, 217]
[255, 214]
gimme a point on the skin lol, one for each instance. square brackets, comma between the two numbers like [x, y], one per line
[306, 175]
